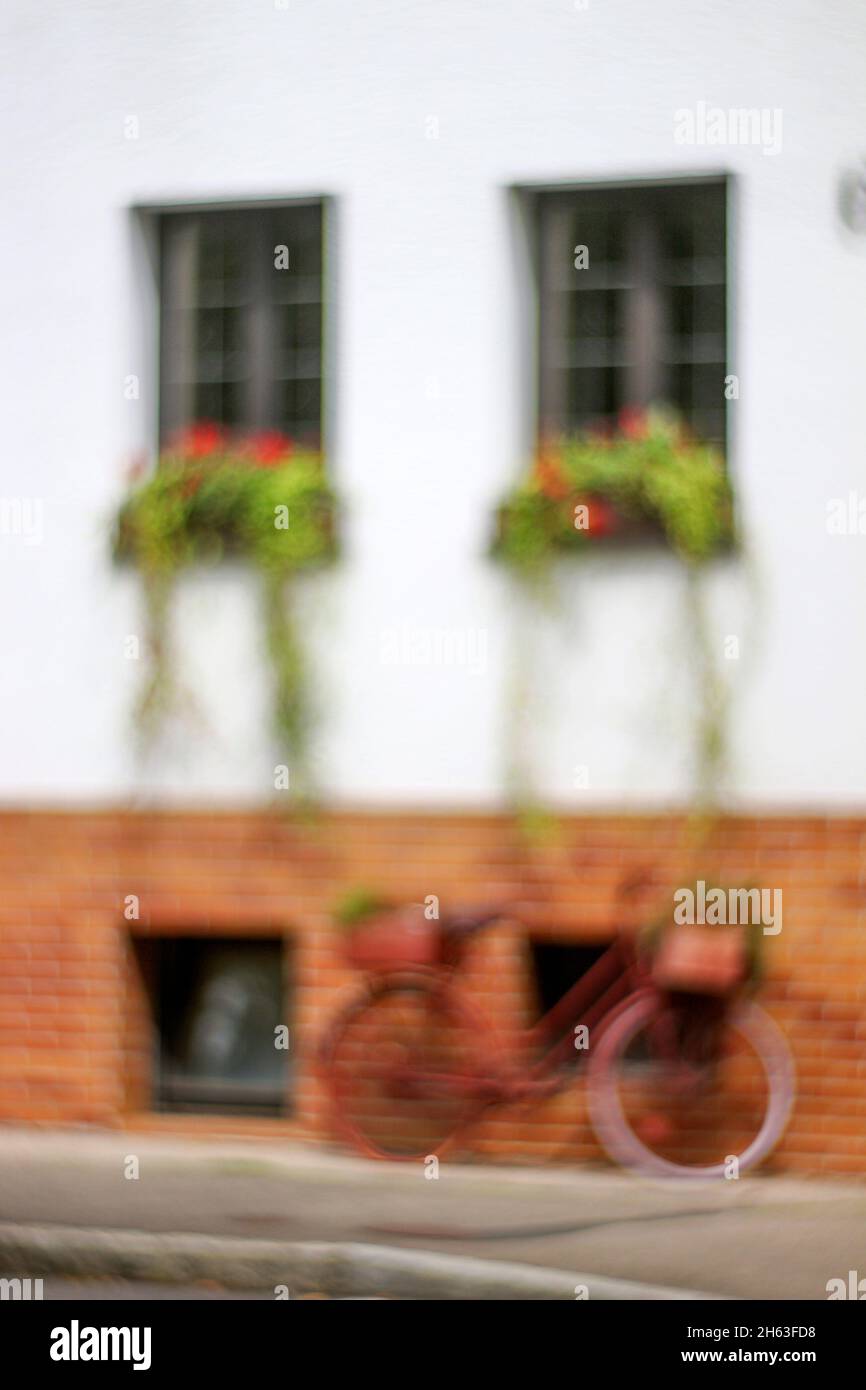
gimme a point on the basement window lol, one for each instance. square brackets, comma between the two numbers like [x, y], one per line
[219, 1010]
[557, 966]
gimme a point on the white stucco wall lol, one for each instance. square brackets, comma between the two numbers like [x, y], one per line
[244, 98]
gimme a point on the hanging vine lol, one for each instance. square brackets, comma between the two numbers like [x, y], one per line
[211, 496]
[649, 477]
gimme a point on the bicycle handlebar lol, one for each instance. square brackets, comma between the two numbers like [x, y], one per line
[466, 920]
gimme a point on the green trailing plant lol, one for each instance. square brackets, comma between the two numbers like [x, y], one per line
[211, 497]
[648, 478]
[358, 905]
[711, 717]
[650, 475]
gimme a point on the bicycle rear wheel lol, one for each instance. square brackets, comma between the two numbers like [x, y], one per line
[404, 1067]
[675, 1091]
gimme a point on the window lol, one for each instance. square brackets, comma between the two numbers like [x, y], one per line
[217, 1005]
[639, 316]
[557, 966]
[241, 320]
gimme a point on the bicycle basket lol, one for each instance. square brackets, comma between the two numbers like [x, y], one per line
[701, 960]
[400, 938]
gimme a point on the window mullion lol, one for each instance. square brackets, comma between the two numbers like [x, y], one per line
[259, 324]
[180, 250]
[644, 315]
[553, 377]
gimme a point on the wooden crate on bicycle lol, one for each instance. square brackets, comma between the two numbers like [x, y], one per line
[696, 959]
[394, 938]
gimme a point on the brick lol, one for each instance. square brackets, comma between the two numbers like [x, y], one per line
[75, 1025]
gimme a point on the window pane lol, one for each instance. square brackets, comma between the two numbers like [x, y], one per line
[221, 401]
[301, 407]
[219, 345]
[645, 316]
[223, 261]
[592, 395]
[601, 230]
[592, 314]
[217, 1005]
[299, 333]
[242, 316]
[697, 308]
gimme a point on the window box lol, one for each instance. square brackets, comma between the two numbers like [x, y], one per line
[647, 479]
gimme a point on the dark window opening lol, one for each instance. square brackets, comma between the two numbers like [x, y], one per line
[645, 321]
[241, 325]
[217, 1006]
[557, 966]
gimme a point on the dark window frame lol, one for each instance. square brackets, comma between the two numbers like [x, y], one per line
[174, 1088]
[644, 351]
[263, 366]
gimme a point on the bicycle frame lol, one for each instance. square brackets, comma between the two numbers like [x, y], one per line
[592, 1001]
[615, 999]
[589, 1003]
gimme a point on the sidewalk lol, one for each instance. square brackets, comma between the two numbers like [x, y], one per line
[761, 1238]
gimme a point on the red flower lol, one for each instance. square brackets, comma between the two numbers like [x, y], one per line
[602, 517]
[269, 448]
[548, 474]
[200, 439]
[633, 422]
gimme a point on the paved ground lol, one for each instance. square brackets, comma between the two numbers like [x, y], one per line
[763, 1238]
[126, 1290]
[136, 1291]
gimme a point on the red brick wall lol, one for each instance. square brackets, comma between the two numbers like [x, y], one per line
[75, 1043]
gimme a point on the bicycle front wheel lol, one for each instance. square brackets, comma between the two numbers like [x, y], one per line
[676, 1093]
[403, 1065]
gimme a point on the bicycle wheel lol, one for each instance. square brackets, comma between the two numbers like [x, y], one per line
[404, 1070]
[676, 1091]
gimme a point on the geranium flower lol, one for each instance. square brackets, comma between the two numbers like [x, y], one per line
[269, 447]
[601, 517]
[633, 422]
[200, 439]
[548, 474]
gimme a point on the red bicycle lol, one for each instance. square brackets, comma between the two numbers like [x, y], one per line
[678, 1084]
